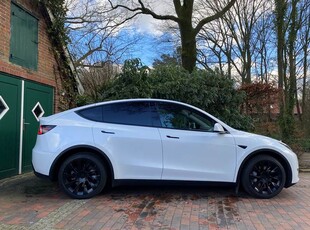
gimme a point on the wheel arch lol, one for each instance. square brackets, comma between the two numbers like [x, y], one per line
[270, 152]
[81, 148]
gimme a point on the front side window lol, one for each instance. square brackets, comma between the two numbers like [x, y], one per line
[24, 38]
[176, 116]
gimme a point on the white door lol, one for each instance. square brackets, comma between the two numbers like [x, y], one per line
[192, 151]
[133, 145]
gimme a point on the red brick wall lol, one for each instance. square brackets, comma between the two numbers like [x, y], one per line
[47, 72]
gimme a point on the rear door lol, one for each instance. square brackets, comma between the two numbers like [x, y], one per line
[127, 135]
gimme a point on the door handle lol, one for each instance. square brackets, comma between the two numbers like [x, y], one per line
[107, 132]
[24, 125]
[173, 137]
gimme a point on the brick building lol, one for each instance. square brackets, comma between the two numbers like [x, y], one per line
[34, 81]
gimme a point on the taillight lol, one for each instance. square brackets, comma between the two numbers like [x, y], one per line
[45, 128]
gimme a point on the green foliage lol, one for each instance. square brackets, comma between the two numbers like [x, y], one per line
[83, 100]
[57, 30]
[131, 83]
[287, 126]
[58, 36]
[207, 90]
[306, 145]
[167, 59]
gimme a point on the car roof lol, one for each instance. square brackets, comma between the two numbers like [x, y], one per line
[130, 100]
[140, 99]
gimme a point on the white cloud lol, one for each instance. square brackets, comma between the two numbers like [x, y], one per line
[141, 24]
[147, 24]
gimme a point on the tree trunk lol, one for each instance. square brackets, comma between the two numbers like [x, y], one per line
[248, 61]
[188, 35]
[189, 52]
[229, 66]
[280, 15]
[305, 65]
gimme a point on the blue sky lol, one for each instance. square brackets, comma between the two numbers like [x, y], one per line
[150, 47]
[149, 33]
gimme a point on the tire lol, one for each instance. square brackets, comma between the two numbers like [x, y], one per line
[263, 177]
[82, 176]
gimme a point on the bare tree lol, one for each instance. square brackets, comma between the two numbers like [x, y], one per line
[241, 22]
[235, 37]
[289, 19]
[263, 44]
[96, 76]
[94, 32]
[303, 38]
[184, 17]
[215, 47]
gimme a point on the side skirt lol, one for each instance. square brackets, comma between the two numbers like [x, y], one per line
[131, 182]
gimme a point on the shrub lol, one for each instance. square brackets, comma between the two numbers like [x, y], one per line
[207, 90]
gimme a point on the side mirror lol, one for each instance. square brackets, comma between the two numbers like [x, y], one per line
[218, 128]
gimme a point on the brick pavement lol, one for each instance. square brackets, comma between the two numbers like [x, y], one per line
[27, 202]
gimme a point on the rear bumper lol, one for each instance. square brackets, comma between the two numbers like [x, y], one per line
[40, 175]
[41, 162]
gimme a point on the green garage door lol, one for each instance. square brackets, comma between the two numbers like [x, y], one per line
[22, 103]
[10, 96]
[38, 102]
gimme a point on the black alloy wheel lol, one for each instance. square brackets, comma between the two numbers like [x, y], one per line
[263, 177]
[82, 176]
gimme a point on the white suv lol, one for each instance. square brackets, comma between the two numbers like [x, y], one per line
[90, 147]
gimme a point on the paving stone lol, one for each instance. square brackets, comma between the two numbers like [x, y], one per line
[30, 203]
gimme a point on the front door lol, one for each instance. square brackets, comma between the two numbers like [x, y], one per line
[191, 150]
[195, 155]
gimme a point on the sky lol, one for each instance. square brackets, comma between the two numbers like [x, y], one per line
[151, 38]
[150, 47]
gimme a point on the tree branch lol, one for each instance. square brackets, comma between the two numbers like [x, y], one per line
[213, 17]
[144, 10]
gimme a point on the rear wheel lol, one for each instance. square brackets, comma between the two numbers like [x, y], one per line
[82, 176]
[263, 177]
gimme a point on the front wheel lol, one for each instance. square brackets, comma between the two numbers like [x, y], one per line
[263, 177]
[82, 176]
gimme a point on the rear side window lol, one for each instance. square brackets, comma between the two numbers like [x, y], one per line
[129, 113]
[93, 113]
